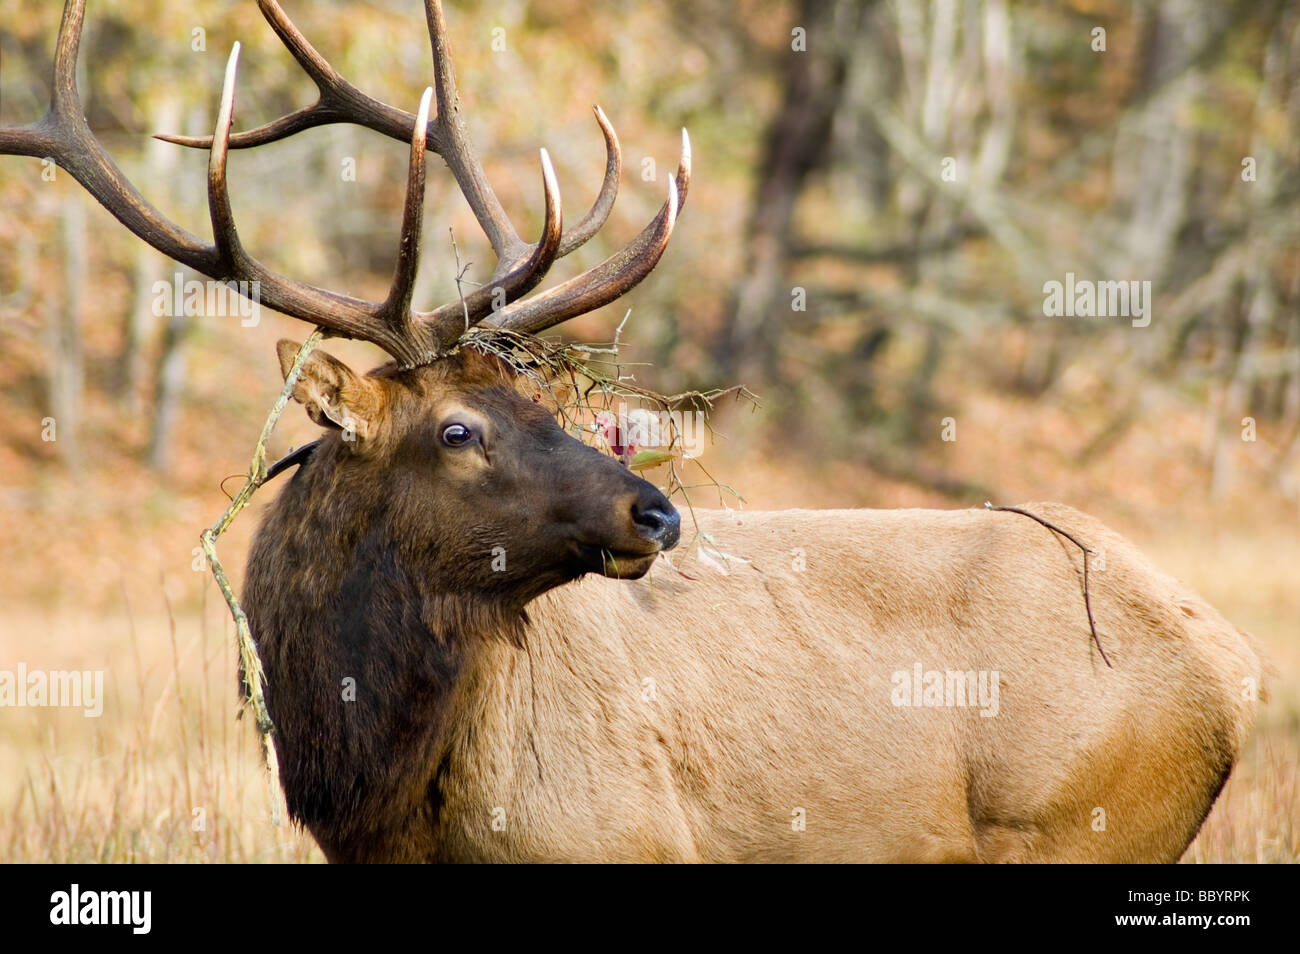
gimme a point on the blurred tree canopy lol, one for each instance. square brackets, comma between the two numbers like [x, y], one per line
[882, 191]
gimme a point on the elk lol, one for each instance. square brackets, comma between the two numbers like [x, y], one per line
[582, 700]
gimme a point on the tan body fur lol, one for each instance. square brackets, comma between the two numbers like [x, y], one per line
[771, 693]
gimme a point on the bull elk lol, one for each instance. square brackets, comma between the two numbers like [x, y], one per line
[849, 685]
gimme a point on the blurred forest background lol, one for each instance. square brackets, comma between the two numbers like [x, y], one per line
[880, 192]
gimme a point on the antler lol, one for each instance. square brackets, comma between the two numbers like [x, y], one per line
[409, 336]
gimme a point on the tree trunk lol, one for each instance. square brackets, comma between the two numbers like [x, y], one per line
[169, 382]
[795, 145]
[63, 335]
[158, 168]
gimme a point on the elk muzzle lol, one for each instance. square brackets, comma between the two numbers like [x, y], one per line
[644, 525]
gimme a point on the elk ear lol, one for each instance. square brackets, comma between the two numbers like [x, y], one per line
[333, 394]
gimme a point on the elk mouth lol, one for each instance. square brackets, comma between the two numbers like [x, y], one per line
[618, 564]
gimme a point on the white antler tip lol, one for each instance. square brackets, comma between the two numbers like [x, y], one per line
[549, 182]
[227, 106]
[420, 131]
[232, 60]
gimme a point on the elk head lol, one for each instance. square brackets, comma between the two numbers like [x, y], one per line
[439, 440]
[449, 462]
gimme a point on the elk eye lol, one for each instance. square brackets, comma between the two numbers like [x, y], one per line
[454, 435]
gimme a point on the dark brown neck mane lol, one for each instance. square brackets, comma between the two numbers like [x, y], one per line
[362, 658]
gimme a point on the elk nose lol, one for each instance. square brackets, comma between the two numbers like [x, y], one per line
[658, 520]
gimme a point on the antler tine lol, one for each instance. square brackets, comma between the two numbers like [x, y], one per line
[459, 153]
[460, 156]
[64, 101]
[397, 307]
[613, 277]
[594, 220]
[224, 233]
[455, 318]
